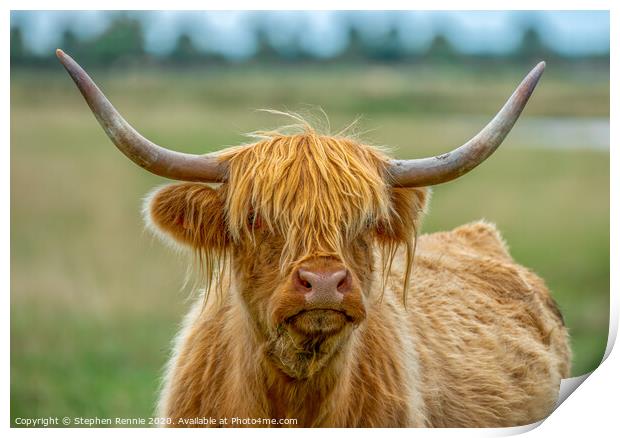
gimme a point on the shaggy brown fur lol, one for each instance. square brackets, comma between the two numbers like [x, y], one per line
[479, 341]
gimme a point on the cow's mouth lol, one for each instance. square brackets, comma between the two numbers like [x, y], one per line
[319, 321]
[306, 341]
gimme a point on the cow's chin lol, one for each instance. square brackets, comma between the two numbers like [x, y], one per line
[305, 343]
[318, 322]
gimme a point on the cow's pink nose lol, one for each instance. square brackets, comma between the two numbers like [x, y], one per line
[324, 286]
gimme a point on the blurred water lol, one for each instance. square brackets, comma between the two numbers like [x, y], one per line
[553, 132]
[563, 133]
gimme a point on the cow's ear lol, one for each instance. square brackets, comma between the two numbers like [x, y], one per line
[191, 214]
[408, 208]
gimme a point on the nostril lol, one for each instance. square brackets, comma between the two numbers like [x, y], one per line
[302, 280]
[345, 283]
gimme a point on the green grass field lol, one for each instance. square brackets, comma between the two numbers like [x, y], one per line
[96, 301]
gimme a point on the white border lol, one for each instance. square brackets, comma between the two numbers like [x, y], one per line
[590, 410]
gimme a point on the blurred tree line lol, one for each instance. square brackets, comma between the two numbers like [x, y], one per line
[123, 41]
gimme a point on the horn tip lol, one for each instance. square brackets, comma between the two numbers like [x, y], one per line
[536, 72]
[60, 53]
[540, 68]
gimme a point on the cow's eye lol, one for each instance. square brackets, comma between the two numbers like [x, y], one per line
[380, 229]
[376, 227]
[254, 221]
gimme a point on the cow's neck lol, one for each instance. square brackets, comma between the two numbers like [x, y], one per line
[269, 392]
[311, 400]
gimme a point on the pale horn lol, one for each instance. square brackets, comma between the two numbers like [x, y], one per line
[146, 154]
[446, 167]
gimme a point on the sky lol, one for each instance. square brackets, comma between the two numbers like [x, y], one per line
[326, 33]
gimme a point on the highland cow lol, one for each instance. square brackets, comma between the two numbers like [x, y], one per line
[323, 303]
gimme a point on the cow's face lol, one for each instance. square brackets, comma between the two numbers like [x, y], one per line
[305, 227]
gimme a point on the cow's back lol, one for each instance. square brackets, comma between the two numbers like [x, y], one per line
[491, 341]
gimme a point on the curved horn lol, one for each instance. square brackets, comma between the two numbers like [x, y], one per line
[144, 153]
[446, 167]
